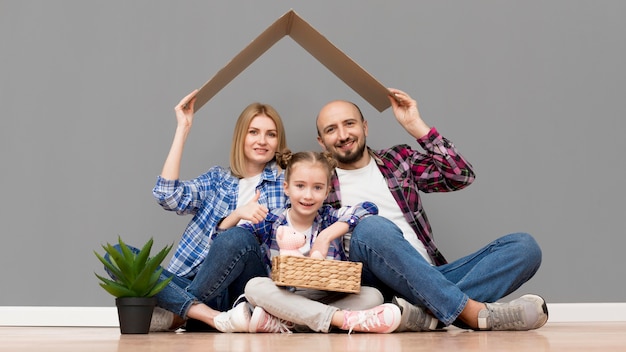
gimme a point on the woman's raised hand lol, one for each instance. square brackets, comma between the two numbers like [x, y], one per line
[185, 109]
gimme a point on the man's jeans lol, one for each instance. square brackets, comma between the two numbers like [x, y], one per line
[235, 257]
[392, 265]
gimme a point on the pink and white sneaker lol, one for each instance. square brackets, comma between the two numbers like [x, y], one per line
[262, 321]
[382, 319]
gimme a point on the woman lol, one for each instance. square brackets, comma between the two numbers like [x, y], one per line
[210, 274]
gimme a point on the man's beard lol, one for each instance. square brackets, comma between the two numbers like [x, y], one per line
[350, 157]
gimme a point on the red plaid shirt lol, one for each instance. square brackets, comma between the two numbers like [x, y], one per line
[408, 171]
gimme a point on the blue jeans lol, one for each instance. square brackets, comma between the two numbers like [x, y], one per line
[392, 265]
[235, 257]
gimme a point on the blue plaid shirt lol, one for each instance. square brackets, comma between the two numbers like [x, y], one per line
[265, 231]
[210, 198]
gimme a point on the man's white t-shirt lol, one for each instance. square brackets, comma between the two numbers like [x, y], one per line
[368, 184]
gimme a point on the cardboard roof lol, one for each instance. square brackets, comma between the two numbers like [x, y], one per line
[290, 24]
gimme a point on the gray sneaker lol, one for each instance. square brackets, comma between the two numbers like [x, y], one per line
[525, 313]
[162, 320]
[414, 318]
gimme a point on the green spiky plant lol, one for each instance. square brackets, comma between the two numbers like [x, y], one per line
[136, 274]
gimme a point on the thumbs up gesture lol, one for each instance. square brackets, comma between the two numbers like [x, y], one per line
[252, 211]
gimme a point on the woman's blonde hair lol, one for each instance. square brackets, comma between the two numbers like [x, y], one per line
[237, 154]
[286, 159]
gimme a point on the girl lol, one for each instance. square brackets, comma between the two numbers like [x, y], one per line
[209, 274]
[307, 183]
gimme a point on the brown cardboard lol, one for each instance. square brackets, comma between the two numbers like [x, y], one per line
[290, 24]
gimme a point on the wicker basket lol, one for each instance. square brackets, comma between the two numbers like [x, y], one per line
[328, 275]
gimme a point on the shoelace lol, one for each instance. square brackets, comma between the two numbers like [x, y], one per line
[365, 319]
[505, 318]
[274, 324]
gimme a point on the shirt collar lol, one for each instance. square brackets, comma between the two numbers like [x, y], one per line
[271, 172]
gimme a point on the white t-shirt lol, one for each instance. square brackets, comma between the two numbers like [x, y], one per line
[368, 184]
[247, 189]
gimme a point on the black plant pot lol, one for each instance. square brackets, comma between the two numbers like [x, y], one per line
[135, 314]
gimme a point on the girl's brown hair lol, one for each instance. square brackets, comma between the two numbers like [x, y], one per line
[286, 159]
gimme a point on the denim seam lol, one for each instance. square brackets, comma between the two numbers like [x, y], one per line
[189, 298]
[447, 320]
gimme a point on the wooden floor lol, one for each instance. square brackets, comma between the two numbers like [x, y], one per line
[551, 337]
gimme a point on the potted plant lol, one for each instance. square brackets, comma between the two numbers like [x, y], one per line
[134, 282]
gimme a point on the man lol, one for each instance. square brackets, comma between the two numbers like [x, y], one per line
[397, 249]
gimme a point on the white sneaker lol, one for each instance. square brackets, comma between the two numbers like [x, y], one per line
[262, 321]
[234, 320]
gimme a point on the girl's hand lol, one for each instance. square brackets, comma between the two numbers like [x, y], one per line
[319, 249]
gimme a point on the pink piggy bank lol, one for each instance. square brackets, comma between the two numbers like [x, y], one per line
[289, 241]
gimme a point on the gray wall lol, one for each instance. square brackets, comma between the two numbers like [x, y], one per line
[532, 92]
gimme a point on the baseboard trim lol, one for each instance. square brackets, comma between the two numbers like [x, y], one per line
[107, 316]
[586, 312]
[59, 316]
